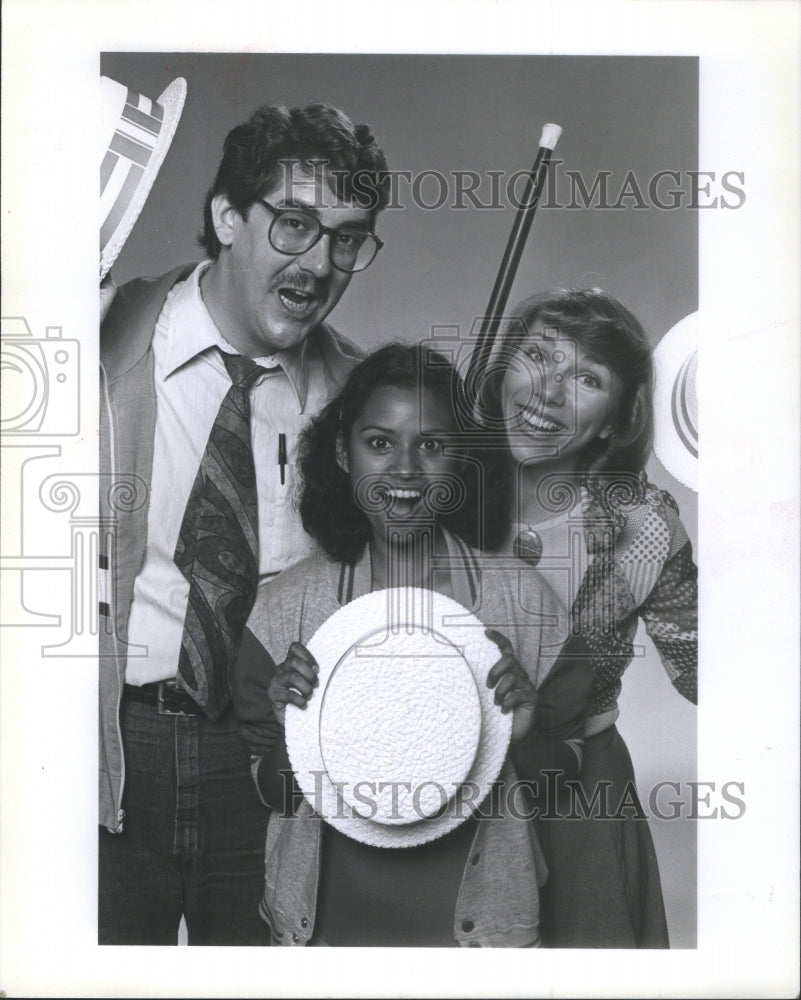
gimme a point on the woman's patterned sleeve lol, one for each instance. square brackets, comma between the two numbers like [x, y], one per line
[671, 619]
[670, 609]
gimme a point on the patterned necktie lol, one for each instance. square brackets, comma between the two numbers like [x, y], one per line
[217, 548]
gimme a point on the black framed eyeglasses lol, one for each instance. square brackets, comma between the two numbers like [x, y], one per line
[293, 232]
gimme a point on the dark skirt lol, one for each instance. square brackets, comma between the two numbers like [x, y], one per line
[603, 888]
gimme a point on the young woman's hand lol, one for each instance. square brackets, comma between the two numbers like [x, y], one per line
[294, 680]
[514, 692]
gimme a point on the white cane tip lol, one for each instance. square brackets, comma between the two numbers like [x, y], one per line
[550, 135]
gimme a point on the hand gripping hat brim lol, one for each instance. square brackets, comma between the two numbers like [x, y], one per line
[676, 400]
[401, 740]
[136, 134]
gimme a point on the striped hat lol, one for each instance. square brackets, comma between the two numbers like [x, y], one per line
[136, 134]
[676, 400]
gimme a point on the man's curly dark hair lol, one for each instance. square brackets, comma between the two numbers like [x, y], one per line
[327, 507]
[259, 151]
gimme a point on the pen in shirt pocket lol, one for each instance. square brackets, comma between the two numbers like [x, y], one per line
[282, 456]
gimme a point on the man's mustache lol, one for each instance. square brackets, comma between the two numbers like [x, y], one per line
[300, 282]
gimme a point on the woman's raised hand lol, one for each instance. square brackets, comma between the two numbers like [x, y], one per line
[294, 680]
[514, 692]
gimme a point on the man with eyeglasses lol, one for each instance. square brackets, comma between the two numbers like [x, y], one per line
[209, 373]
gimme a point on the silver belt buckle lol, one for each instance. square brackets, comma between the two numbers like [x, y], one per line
[162, 709]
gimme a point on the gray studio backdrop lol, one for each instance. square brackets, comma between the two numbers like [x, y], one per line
[441, 118]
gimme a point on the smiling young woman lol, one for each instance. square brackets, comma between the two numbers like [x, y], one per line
[557, 400]
[386, 488]
[572, 389]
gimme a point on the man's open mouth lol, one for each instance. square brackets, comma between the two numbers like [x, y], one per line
[296, 300]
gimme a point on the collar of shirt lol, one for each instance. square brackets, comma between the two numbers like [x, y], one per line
[199, 333]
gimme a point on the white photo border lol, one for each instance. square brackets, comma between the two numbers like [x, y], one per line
[748, 496]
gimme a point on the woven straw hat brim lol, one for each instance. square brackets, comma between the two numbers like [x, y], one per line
[466, 739]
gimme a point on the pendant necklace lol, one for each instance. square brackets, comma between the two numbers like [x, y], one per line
[528, 541]
[528, 546]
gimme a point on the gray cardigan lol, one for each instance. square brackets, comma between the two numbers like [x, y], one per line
[498, 900]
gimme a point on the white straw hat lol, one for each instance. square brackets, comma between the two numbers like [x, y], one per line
[401, 741]
[135, 134]
[676, 400]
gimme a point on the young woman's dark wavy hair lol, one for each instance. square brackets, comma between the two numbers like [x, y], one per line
[327, 507]
[261, 150]
[607, 332]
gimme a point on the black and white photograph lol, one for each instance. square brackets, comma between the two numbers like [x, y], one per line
[455, 185]
[417, 575]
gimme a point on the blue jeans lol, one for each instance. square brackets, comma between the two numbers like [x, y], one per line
[193, 838]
